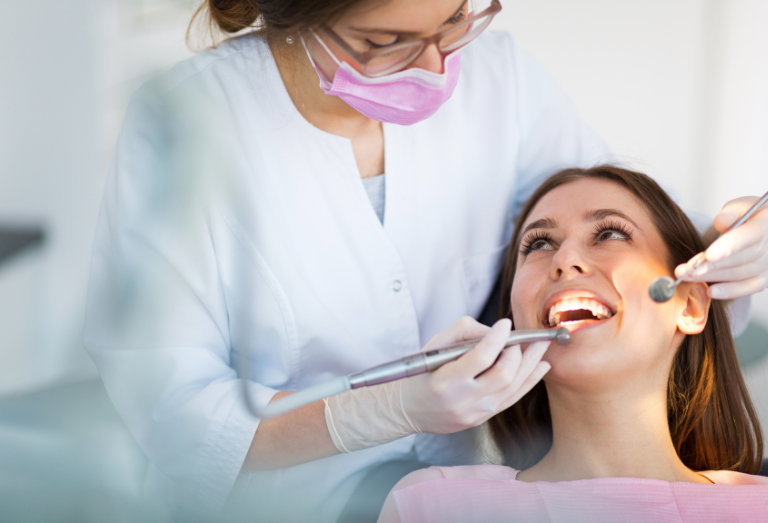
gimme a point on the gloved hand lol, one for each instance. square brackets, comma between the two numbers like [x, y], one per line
[461, 394]
[738, 260]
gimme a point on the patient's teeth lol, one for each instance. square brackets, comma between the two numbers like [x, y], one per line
[599, 310]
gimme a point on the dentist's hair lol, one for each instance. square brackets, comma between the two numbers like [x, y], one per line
[271, 18]
[711, 417]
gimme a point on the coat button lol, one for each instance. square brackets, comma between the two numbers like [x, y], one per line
[397, 285]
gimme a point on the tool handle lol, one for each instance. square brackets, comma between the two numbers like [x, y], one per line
[297, 399]
[431, 360]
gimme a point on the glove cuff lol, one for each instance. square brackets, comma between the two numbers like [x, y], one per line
[367, 417]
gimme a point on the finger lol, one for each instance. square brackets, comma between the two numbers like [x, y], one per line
[751, 254]
[485, 353]
[464, 329]
[500, 378]
[732, 211]
[753, 232]
[533, 378]
[684, 267]
[724, 220]
[503, 372]
[738, 289]
[732, 274]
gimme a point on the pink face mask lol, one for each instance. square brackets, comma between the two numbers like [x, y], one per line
[404, 97]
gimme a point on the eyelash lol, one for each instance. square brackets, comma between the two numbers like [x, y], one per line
[614, 226]
[374, 45]
[600, 228]
[458, 17]
[531, 239]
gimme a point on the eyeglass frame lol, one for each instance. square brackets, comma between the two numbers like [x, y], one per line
[363, 57]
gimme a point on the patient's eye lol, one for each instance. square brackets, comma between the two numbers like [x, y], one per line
[612, 230]
[537, 241]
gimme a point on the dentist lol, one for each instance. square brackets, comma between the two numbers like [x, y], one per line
[329, 191]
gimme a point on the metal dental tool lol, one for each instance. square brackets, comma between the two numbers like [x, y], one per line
[406, 367]
[663, 288]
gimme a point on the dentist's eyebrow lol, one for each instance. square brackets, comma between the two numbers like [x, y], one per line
[400, 31]
[543, 223]
[601, 214]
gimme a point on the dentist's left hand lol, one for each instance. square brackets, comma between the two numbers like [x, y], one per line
[737, 261]
[459, 395]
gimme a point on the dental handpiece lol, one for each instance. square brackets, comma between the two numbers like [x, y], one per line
[413, 365]
[663, 288]
[431, 360]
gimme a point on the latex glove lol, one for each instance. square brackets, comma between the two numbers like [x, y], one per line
[459, 395]
[738, 260]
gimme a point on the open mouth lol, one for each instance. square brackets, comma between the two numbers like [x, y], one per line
[576, 310]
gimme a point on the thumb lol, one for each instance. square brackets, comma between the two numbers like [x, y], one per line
[732, 211]
[724, 220]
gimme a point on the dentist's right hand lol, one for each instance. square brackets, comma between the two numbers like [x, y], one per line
[461, 394]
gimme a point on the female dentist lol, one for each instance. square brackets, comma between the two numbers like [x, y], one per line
[315, 198]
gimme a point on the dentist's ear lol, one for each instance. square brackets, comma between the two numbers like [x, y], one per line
[694, 315]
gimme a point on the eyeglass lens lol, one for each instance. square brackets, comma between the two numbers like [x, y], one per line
[389, 62]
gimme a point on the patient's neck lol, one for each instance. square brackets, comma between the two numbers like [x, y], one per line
[609, 434]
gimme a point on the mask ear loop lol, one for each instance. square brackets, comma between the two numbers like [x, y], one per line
[325, 46]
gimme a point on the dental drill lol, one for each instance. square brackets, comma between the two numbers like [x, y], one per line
[413, 365]
[663, 288]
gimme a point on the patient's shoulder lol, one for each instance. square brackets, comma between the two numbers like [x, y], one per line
[483, 472]
[729, 477]
[390, 513]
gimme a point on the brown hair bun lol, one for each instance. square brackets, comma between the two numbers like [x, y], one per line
[232, 16]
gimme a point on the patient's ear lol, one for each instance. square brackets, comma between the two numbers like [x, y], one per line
[694, 315]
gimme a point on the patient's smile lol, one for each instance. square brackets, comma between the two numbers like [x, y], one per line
[564, 310]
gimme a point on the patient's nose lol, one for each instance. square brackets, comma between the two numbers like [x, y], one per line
[569, 262]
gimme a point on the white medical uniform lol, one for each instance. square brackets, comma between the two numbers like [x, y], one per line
[231, 226]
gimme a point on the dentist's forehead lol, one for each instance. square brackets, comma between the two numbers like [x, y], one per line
[401, 16]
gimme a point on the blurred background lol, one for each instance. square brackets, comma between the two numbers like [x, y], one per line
[679, 89]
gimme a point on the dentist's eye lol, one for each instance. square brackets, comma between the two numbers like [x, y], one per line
[612, 230]
[459, 16]
[538, 241]
[378, 45]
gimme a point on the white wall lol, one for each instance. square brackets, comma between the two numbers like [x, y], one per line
[634, 68]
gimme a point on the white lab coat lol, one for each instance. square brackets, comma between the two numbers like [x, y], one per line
[232, 226]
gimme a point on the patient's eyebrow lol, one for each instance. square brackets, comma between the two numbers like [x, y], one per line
[543, 223]
[601, 214]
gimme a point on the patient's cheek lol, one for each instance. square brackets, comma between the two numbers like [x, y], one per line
[522, 299]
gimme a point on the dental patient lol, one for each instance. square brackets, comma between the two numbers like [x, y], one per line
[645, 415]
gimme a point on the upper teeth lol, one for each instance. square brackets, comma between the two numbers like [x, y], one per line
[599, 310]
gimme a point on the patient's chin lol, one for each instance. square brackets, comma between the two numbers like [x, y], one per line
[584, 365]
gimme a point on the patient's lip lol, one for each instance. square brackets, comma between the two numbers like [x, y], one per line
[566, 294]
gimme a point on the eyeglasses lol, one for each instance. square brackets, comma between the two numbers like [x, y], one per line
[396, 57]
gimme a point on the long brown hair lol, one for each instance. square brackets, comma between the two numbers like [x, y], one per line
[711, 417]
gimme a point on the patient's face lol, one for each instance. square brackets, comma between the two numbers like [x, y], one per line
[586, 263]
